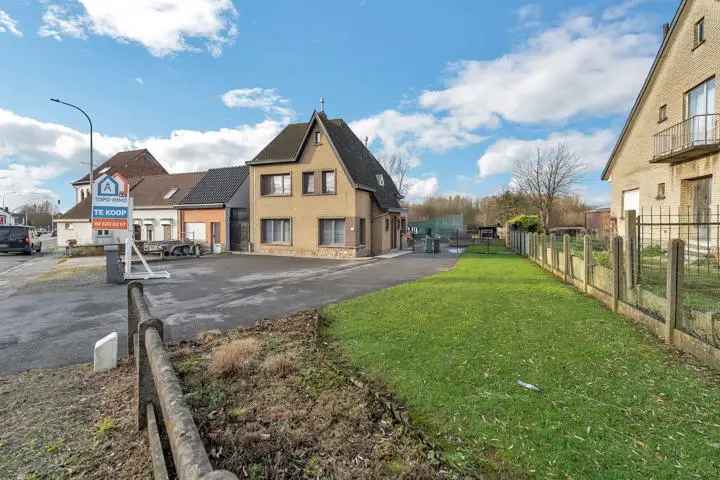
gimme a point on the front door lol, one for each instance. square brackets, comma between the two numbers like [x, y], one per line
[701, 194]
[239, 229]
[393, 233]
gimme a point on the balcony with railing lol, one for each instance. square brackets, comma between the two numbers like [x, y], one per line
[692, 138]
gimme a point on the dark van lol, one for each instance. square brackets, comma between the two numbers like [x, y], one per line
[19, 239]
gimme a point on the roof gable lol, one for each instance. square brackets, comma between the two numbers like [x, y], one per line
[132, 163]
[361, 167]
[669, 37]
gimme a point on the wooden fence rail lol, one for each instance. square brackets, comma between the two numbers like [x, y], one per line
[158, 392]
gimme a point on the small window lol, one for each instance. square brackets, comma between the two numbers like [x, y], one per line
[170, 193]
[387, 224]
[276, 230]
[361, 232]
[380, 179]
[332, 231]
[328, 182]
[699, 32]
[660, 191]
[275, 184]
[317, 138]
[149, 233]
[308, 182]
[662, 114]
[67, 226]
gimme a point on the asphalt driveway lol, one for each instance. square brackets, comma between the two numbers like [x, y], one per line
[57, 323]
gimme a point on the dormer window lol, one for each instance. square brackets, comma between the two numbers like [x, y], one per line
[699, 36]
[170, 193]
[380, 179]
[317, 138]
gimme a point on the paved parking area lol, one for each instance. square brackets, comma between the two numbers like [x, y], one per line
[57, 323]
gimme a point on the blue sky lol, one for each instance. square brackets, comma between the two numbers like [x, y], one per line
[461, 89]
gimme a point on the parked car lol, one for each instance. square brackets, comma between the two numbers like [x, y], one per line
[19, 239]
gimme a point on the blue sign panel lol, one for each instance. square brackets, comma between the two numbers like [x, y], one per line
[110, 212]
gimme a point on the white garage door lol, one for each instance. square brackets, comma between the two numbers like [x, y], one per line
[195, 231]
[631, 201]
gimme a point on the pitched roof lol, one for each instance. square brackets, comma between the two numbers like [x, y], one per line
[360, 164]
[146, 191]
[152, 190]
[133, 163]
[217, 186]
[644, 89]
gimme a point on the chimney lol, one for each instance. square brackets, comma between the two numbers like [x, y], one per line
[366, 141]
[665, 30]
[322, 104]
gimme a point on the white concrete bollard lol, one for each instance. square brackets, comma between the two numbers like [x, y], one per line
[106, 353]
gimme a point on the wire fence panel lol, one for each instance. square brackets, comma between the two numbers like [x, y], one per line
[601, 267]
[699, 228]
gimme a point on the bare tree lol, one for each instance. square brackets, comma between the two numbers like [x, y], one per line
[551, 174]
[397, 167]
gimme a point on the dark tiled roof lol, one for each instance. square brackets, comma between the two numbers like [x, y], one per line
[80, 211]
[217, 186]
[146, 191]
[133, 163]
[360, 163]
[150, 191]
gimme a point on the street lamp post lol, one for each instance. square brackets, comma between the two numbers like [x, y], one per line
[92, 168]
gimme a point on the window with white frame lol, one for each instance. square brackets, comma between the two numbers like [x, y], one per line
[630, 201]
[276, 230]
[332, 231]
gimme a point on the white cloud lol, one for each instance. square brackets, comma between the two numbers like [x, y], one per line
[57, 23]
[421, 188]
[621, 10]
[140, 81]
[563, 72]
[33, 152]
[409, 134]
[163, 27]
[21, 184]
[9, 24]
[592, 148]
[266, 99]
[529, 15]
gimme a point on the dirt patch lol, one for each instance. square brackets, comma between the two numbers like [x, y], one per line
[70, 423]
[292, 411]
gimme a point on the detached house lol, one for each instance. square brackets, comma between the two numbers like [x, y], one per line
[316, 190]
[668, 154]
[74, 225]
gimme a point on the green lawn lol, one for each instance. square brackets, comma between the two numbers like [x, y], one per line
[614, 405]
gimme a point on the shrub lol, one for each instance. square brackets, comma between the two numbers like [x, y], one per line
[526, 223]
[234, 358]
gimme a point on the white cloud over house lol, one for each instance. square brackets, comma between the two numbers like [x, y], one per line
[565, 72]
[421, 188]
[9, 24]
[163, 27]
[592, 148]
[33, 152]
[266, 99]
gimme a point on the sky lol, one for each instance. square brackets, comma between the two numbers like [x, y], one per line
[460, 89]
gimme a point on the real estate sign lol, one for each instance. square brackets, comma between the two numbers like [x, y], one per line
[110, 203]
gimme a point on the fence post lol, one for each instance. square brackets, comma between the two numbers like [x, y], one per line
[630, 248]
[544, 249]
[133, 314]
[675, 273]
[567, 273]
[144, 386]
[616, 248]
[587, 259]
[553, 249]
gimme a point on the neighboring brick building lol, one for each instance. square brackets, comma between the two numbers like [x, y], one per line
[667, 154]
[216, 210]
[316, 190]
